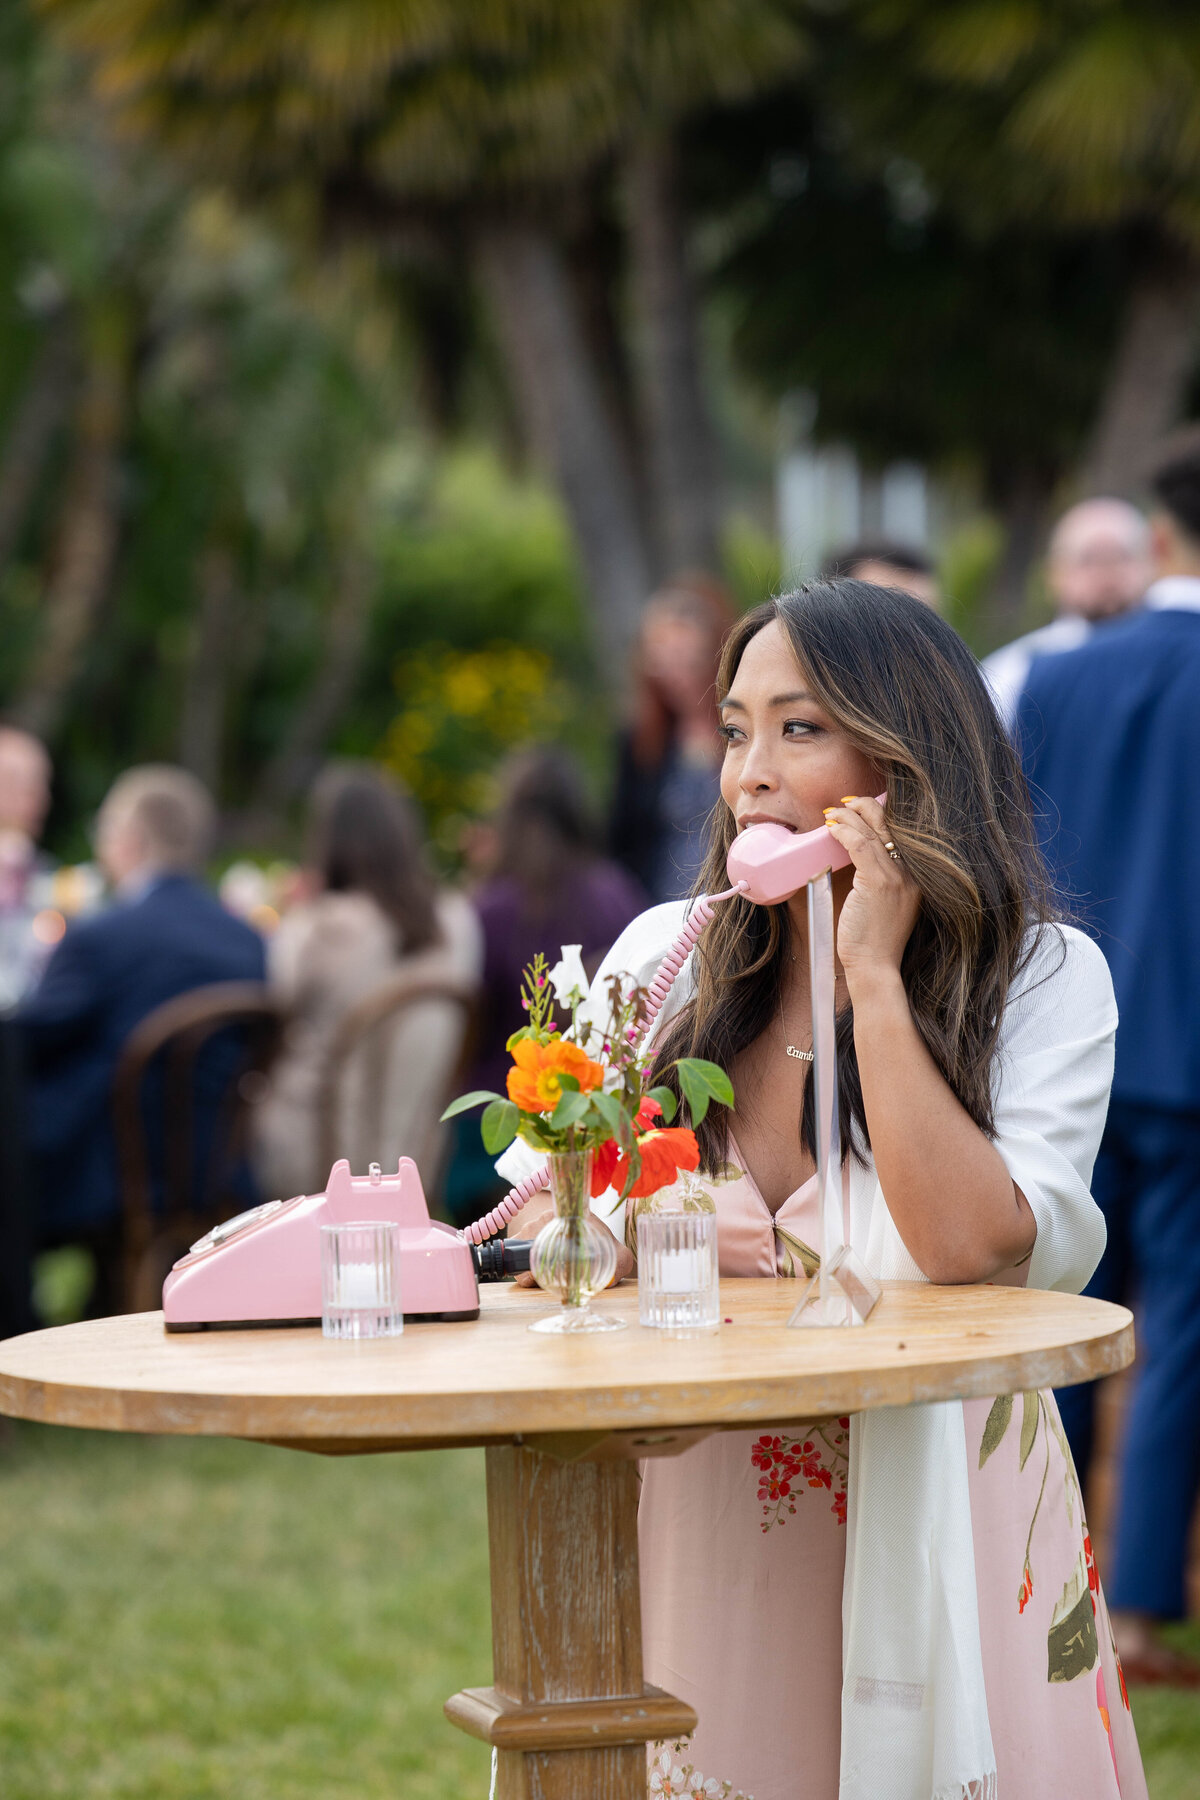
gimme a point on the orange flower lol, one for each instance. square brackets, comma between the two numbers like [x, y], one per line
[535, 1084]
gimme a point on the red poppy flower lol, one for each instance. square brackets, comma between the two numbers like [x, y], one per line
[664, 1152]
[604, 1165]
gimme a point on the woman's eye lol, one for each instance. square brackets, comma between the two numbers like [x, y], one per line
[730, 733]
[799, 728]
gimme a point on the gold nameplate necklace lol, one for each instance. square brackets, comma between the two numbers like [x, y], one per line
[793, 1050]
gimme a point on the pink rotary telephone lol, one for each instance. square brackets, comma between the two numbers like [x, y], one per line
[264, 1267]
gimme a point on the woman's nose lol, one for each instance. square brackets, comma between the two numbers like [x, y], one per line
[758, 774]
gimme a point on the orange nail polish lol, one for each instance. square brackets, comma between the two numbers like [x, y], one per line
[847, 798]
[828, 809]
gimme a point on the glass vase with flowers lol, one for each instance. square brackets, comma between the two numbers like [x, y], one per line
[584, 1098]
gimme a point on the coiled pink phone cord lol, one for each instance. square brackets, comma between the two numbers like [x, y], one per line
[657, 992]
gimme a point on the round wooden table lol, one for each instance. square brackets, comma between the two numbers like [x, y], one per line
[564, 1422]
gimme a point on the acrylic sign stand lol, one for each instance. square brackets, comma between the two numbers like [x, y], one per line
[843, 1291]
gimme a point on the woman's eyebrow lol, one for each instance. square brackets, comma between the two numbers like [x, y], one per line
[800, 699]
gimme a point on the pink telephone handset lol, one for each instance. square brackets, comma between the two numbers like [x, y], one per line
[769, 863]
[264, 1267]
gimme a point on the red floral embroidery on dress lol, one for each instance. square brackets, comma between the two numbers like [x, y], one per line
[787, 1465]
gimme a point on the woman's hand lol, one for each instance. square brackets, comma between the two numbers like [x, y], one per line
[625, 1262]
[880, 910]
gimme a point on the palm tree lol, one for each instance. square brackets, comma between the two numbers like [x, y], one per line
[481, 124]
[1080, 112]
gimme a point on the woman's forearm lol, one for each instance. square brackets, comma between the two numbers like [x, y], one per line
[947, 1188]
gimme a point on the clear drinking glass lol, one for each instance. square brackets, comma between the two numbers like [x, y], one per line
[678, 1289]
[360, 1280]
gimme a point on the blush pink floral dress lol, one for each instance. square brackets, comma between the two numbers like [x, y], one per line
[742, 1544]
[744, 1537]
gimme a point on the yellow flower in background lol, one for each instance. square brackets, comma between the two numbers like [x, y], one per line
[461, 712]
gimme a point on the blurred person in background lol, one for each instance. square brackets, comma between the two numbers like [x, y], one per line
[887, 565]
[373, 911]
[164, 935]
[1110, 735]
[668, 760]
[1097, 568]
[26, 937]
[548, 886]
[25, 941]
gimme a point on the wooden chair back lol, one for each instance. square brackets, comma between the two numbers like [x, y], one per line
[174, 1035]
[363, 1041]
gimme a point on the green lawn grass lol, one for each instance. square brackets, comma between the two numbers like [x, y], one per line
[193, 1620]
[199, 1620]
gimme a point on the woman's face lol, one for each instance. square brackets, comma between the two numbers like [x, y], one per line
[785, 759]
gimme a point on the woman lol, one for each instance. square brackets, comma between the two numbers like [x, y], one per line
[375, 912]
[668, 762]
[904, 1604]
[546, 885]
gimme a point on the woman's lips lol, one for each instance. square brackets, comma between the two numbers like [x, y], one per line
[765, 819]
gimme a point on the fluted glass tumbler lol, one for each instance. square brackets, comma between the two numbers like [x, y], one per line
[360, 1280]
[678, 1289]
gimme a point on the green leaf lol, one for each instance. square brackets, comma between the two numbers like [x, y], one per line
[996, 1426]
[570, 1110]
[1071, 1643]
[568, 1083]
[810, 1262]
[635, 1169]
[695, 1091]
[1031, 1412]
[712, 1075]
[666, 1099]
[615, 1117]
[468, 1100]
[498, 1126]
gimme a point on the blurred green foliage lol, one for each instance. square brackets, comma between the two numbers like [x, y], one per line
[308, 511]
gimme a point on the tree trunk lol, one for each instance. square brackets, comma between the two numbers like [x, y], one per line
[40, 412]
[206, 683]
[89, 523]
[569, 426]
[1023, 500]
[1154, 359]
[299, 756]
[678, 429]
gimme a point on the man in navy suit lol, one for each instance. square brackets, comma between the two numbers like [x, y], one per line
[165, 935]
[1110, 735]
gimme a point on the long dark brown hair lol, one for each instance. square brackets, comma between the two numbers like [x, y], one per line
[365, 837]
[544, 826]
[905, 690]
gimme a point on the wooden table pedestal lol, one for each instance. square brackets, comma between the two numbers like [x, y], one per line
[566, 1621]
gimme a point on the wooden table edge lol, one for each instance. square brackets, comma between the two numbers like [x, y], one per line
[272, 1418]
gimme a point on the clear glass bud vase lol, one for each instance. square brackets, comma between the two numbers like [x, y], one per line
[573, 1256]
